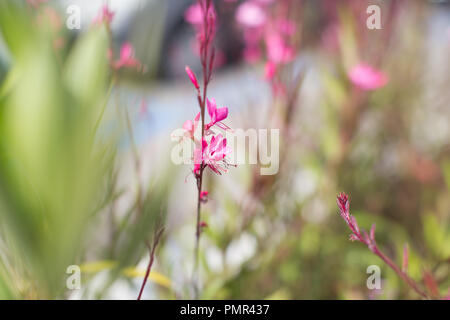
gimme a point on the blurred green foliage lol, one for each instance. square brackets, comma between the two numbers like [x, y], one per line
[52, 167]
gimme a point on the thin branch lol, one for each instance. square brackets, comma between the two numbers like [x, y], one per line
[152, 248]
[369, 240]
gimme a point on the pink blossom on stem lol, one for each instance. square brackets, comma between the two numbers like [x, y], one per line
[127, 58]
[215, 154]
[216, 114]
[104, 16]
[212, 155]
[367, 78]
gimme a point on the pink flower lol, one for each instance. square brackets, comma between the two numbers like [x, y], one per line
[367, 78]
[212, 155]
[104, 16]
[216, 114]
[190, 126]
[251, 15]
[127, 59]
[192, 77]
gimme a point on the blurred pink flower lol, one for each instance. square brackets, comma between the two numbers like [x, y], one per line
[250, 14]
[216, 114]
[367, 78]
[194, 14]
[127, 59]
[278, 50]
[104, 16]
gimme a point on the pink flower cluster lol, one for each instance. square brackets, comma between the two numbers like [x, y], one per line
[104, 16]
[127, 57]
[212, 150]
[210, 146]
[273, 29]
[126, 60]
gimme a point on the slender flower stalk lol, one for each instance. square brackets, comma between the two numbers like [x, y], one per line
[152, 249]
[369, 240]
[210, 148]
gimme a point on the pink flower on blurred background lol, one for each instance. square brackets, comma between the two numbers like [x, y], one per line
[127, 59]
[216, 114]
[250, 14]
[367, 78]
[214, 155]
[104, 16]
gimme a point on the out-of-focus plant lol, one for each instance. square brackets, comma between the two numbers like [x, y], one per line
[52, 164]
[58, 164]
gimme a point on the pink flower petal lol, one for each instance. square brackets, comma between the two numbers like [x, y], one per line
[250, 14]
[367, 78]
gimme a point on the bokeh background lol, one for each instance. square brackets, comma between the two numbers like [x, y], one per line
[78, 191]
